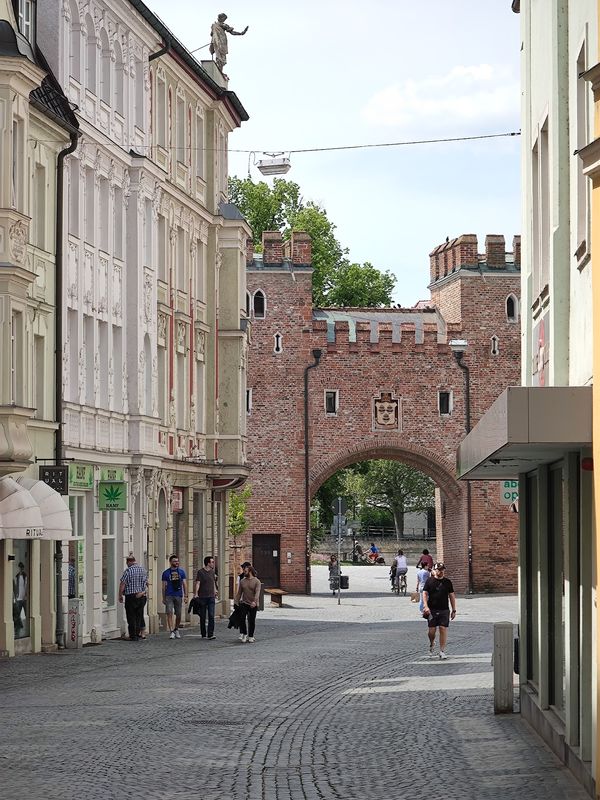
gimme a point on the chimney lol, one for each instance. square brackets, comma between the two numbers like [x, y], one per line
[465, 251]
[249, 251]
[495, 251]
[517, 251]
[272, 242]
[434, 264]
[301, 248]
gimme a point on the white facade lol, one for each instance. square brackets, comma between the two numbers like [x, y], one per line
[142, 299]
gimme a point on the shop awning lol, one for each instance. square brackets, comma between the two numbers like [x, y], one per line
[56, 518]
[20, 515]
[525, 427]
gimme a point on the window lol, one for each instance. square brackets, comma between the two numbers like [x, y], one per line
[39, 207]
[541, 211]
[161, 112]
[17, 163]
[494, 346]
[512, 308]
[17, 366]
[445, 403]
[180, 390]
[582, 186]
[109, 529]
[259, 304]
[118, 222]
[161, 387]
[103, 355]
[139, 93]
[103, 214]
[89, 205]
[73, 327]
[181, 130]
[147, 376]
[162, 248]
[26, 19]
[199, 146]
[105, 93]
[88, 344]
[119, 79]
[74, 196]
[75, 42]
[148, 228]
[91, 55]
[332, 398]
[200, 397]
[117, 353]
[181, 259]
[248, 401]
[39, 355]
[277, 343]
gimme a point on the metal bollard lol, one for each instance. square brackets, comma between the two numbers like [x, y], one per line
[503, 668]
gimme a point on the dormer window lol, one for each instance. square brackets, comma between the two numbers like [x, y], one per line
[26, 19]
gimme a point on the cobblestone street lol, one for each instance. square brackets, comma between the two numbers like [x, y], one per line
[330, 702]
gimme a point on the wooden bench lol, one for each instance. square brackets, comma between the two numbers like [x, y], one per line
[276, 596]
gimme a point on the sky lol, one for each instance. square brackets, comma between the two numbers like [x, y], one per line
[331, 73]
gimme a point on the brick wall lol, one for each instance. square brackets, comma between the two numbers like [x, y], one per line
[403, 352]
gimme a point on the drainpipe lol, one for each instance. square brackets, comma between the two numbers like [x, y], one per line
[58, 346]
[317, 358]
[459, 360]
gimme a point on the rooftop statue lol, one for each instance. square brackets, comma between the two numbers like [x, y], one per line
[218, 40]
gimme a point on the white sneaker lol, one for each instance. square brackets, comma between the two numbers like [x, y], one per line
[251, 639]
[172, 635]
[243, 637]
[443, 655]
[177, 634]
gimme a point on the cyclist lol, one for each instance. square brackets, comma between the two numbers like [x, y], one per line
[401, 567]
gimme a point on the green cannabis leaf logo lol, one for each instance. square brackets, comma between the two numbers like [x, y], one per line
[112, 494]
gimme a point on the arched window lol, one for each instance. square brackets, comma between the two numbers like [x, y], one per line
[90, 67]
[259, 304]
[119, 79]
[75, 42]
[495, 346]
[248, 304]
[105, 71]
[277, 343]
[512, 308]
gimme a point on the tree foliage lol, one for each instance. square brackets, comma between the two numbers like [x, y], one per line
[237, 521]
[336, 281]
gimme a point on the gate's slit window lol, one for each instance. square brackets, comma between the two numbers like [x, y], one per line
[332, 399]
[277, 343]
[445, 403]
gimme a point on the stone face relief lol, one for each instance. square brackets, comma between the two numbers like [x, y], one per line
[386, 414]
[17, 237]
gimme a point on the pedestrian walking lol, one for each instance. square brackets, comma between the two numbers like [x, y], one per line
[133, 589]
[423, 574]
[174, 590]
[207, 592]
[438, 590]
[247, 597]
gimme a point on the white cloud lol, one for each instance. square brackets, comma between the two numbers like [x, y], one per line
[466, 93]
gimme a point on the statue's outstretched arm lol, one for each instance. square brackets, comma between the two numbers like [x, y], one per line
[239, 33]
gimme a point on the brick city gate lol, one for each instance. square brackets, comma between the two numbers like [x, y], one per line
[331, 387]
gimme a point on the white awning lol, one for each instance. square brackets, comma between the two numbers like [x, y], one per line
[20, 515]
[56, 519]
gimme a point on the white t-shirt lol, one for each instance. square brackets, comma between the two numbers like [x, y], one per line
[401, 562]
[422, 576]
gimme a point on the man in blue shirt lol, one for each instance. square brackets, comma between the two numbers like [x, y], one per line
[174, 589]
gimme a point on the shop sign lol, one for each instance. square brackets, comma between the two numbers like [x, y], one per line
[112, 474]
[56, 477]
[81, 476]
[177, 501]
[112, 496]
[509, 492]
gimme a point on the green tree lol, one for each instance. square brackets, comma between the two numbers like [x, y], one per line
[336, 281]
[397, 488]
[237, 522]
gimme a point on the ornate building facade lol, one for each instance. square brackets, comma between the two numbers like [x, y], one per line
[153, 296]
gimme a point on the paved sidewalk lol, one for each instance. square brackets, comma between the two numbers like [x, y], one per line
[330, 702]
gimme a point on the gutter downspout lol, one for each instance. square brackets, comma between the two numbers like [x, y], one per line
[317, 358]
[58, 346]
[465, 369]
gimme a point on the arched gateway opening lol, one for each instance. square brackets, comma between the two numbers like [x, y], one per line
[351, 385]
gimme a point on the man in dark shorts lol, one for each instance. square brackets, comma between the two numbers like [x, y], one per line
[438, 590]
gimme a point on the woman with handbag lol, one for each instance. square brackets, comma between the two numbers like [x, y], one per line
[248, 597]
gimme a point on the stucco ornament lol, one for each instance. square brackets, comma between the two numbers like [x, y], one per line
[147, 298]
[218, 40]
[385, 412]
[200, 344]
[17, 238]
[162, 327]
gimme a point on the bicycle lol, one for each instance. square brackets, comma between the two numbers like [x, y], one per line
[400, 584]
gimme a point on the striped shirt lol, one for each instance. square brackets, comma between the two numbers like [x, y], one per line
[135, 579]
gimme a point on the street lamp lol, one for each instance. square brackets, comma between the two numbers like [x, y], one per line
[459, 348]
[275, 164]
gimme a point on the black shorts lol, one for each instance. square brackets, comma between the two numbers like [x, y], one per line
[439, 619]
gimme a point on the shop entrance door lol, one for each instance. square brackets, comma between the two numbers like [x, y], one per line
[265, 558]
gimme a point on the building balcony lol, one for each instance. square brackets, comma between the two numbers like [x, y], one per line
[16, 450]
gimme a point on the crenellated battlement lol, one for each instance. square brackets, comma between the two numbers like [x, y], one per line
[462, 253]
[380, 326]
